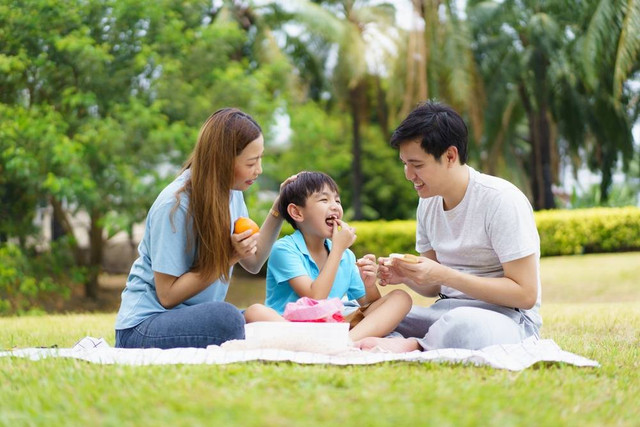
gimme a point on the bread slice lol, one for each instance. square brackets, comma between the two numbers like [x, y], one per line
[411, 259]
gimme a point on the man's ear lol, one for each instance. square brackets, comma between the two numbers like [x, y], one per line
[295, 212]
[451, 155]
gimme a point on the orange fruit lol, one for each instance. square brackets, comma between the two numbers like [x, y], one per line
[243, 224]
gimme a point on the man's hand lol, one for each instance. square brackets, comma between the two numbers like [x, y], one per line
[422, 276]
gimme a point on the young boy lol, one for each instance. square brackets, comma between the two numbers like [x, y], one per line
[315, 261]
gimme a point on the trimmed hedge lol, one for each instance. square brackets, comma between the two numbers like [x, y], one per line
[562, 232]
[571, 232]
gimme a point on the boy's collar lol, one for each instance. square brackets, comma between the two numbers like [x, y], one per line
[298, 238]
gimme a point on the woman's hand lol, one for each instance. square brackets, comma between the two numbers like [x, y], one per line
[244, 244]
[287, 181]
[368, 270]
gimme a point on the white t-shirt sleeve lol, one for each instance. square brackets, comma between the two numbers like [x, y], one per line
[512, 228]
[423, 244]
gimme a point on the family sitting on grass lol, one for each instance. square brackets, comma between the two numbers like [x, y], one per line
[476, 235]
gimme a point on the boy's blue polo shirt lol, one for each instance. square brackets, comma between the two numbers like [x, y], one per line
[290, 258]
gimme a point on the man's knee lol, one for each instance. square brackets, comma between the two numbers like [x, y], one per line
[472, 328]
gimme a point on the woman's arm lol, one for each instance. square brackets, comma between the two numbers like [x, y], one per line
[265, 239]
[172, 290]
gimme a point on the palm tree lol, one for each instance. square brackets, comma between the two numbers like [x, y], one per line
[332, 55]
[439, 63]
[533, 52]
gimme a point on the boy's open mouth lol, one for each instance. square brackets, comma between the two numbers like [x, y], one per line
[330, 220]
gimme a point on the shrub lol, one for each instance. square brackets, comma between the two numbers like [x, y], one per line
[562, 232]
[31, 280]
[570, 232]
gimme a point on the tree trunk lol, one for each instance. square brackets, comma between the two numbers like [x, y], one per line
[96, 244]
[542, 176]
[65, 224]
[382, 109]
[356, 104]
[540, 137]
[57, 229]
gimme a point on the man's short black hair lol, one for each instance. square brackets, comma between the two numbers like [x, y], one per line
[300, 189]
[437, 127]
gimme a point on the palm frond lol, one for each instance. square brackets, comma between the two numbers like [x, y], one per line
[628, 50]
[598, 31]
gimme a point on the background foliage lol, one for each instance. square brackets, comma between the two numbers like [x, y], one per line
[101, 100]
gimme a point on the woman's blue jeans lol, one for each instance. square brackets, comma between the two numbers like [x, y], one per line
[194, 326]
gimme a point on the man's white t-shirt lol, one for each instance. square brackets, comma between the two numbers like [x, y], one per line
[492, 225]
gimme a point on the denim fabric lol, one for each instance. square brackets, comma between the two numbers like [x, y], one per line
[199, 325]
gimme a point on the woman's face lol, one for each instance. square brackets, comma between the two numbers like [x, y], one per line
[248, 165]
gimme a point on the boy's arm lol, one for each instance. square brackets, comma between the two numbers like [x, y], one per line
[343, 237]
[319, 288]
[368, 270]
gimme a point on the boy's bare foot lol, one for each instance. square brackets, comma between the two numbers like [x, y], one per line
[393, 345]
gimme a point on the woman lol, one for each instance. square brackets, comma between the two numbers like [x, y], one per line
[175, 291]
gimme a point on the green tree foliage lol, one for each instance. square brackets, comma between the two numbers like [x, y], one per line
[96, 95]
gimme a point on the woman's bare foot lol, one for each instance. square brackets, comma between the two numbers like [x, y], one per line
[393, 345]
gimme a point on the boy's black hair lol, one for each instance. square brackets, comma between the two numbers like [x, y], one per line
[437, 126]
[299, 190]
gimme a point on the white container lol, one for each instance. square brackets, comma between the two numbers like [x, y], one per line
[326, 338]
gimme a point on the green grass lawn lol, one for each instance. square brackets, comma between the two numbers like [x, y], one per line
[591, 306]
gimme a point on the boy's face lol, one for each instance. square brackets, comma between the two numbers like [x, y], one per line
[320, 211]
[427, 174]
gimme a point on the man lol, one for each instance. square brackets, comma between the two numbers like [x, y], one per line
[478, 242]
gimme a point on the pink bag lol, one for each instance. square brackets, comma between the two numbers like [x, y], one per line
[311, 310]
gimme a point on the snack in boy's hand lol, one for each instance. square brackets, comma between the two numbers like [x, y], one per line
[411, 259]
[243, 224]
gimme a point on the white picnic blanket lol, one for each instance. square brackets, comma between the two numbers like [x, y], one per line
[514, 357]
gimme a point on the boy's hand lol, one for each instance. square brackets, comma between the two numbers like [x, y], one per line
[368, 270]
[244, 244]
[343, 235]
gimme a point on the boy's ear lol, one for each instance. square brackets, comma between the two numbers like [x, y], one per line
[295, 212]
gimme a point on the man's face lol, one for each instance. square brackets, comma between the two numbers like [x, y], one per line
[425, 172]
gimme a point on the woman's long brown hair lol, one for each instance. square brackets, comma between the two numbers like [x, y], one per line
[222, 137]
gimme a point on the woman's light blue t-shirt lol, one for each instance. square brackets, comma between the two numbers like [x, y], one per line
[290, 258]
[164, 248]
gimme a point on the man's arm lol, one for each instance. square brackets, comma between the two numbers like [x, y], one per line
[391, 273]
[518, 288]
